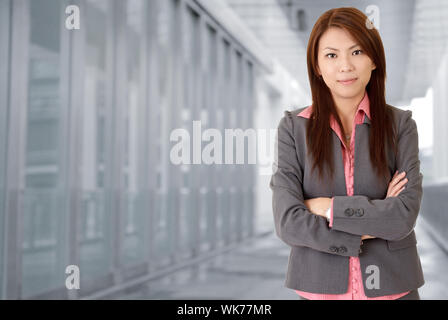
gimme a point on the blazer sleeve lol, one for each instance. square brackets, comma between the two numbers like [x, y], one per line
[294, 223]
[392, 218]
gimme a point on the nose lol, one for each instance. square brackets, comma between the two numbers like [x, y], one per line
[346, 65]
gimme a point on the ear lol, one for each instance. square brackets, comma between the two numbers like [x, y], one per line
[318, 71]
[373, 66]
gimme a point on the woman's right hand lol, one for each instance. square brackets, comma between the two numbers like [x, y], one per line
[396, 185]
[365, 237]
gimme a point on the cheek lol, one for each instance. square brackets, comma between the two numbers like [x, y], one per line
[365, 69]
[327, 70]
[328, 79]
[366, 74]
[324, 66]
[329, 76]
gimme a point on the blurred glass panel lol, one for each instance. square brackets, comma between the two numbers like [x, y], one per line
[162, 203]
[94, 222]
[208, 179]
[4, 65]
[44, 214]
[251, 150]
[135, 213]
[224, 196]
[188, 210]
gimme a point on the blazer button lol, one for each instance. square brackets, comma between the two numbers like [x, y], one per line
[342, 249]
[348, 212]
[359, 212]
[334, 249]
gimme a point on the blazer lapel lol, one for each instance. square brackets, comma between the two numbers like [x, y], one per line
[362, 172]
[340, 187]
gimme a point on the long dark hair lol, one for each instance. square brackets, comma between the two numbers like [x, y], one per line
[319, 133]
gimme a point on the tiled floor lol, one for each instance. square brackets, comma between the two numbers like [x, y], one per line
[257, 271]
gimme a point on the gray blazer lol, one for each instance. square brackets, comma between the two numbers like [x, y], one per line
[319, 257]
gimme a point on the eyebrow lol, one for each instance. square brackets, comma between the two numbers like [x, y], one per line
[355, 45]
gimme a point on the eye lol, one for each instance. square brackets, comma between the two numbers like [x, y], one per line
[331, 55]
[357, 52]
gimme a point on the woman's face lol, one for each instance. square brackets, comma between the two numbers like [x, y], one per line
[340, 59]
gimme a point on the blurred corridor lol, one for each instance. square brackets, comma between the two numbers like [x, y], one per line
[93, 173]
[258, 268]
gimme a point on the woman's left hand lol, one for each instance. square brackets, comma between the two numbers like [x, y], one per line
[318, 206]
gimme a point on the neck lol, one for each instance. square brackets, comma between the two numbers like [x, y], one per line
[346, 107]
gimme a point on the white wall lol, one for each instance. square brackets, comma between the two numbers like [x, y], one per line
[275, 93]
[440, 98]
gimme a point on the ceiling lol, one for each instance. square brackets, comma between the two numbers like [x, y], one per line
[414, 34]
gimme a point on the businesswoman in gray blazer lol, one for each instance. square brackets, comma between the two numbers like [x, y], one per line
[346, 179]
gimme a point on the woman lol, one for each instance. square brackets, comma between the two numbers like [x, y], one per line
[347, 185]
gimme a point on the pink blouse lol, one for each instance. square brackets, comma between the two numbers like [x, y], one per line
[355, 285]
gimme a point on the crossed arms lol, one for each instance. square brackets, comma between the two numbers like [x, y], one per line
[392, 218]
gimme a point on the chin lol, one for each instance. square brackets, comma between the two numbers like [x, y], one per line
[349, 92]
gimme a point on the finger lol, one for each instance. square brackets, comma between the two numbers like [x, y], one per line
[400, 191]
[396, 191]
[400, 176]
[397, 179]
[396, 188]
[393, 182]
[400, 184]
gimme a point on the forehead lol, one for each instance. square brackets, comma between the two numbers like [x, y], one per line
[336, 38]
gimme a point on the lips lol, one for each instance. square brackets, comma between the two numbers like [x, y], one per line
[347, 81]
